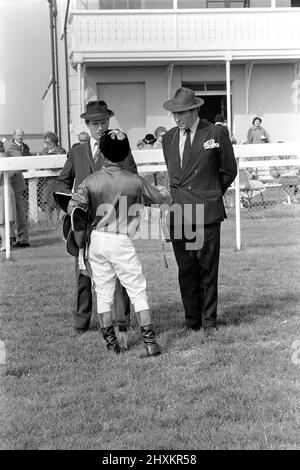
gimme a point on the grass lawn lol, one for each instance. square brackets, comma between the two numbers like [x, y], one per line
[237, 390]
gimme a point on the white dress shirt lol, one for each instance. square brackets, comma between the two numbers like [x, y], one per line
[182, 138]
[94, 145]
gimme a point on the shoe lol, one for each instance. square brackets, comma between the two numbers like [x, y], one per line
[149, 337]
[187, 329]
[21, 245]
[3, 248]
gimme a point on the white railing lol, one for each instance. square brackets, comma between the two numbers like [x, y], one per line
[165, 33]
[152, 161]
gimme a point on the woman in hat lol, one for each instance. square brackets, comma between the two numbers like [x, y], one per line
[257, 134]
[47, 185]
[148, 140]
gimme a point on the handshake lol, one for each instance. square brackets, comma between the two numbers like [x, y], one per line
[165, 193]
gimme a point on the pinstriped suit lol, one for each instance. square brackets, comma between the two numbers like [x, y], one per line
[204, 178]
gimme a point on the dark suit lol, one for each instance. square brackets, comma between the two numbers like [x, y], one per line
[19, 186]
[78, 166]
[204, 178]
[224, 129]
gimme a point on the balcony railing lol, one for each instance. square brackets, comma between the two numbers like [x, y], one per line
[157, 34]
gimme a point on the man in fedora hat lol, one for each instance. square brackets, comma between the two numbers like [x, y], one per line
[201, 166]
[82, 161]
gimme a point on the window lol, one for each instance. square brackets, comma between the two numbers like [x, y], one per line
[213, 3]
[206, 87]
[124, 4]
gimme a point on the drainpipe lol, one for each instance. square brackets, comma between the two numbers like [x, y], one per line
[79, 82]
[67, 73]
[228, 59]
[54, 9]
[53, 67]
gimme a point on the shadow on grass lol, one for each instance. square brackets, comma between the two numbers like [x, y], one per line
[248, 313]
[171, 316]
[45, 242]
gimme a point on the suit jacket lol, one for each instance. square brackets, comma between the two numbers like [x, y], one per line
[14, 150]
[224, 129]
[206, 175]
[80, 164]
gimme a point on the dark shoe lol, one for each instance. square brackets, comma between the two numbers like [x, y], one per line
[21, 245]
[149, 337]
[187, 329]
[111, 340]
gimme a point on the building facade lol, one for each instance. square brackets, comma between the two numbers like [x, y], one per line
[241, 57]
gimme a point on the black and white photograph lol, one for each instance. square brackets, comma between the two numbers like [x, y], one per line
[149, 228]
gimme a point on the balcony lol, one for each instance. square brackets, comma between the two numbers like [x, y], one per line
[184, 35]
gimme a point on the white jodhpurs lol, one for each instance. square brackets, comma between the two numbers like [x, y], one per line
[111, 255]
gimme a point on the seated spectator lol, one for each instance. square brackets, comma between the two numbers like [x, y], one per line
[257, 134]
[288, 177]
[48, 204]
[159, 133]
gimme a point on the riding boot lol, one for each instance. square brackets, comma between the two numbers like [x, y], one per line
[110, 338]
[149, 337]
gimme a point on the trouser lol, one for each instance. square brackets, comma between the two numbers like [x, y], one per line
[83, 304]
[22, 218]
[198, 278]
[113, 255]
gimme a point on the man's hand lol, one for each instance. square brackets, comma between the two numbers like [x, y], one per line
[160, 188]
[165, 193]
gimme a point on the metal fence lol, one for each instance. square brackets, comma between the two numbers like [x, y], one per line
[264, 197]
[41, 207]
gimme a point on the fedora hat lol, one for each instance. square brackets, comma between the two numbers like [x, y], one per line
[97, 110]
[184, 99]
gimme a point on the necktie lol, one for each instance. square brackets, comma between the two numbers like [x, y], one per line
[97, 153]
[187, 147]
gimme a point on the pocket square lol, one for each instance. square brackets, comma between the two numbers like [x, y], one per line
[210, 144]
